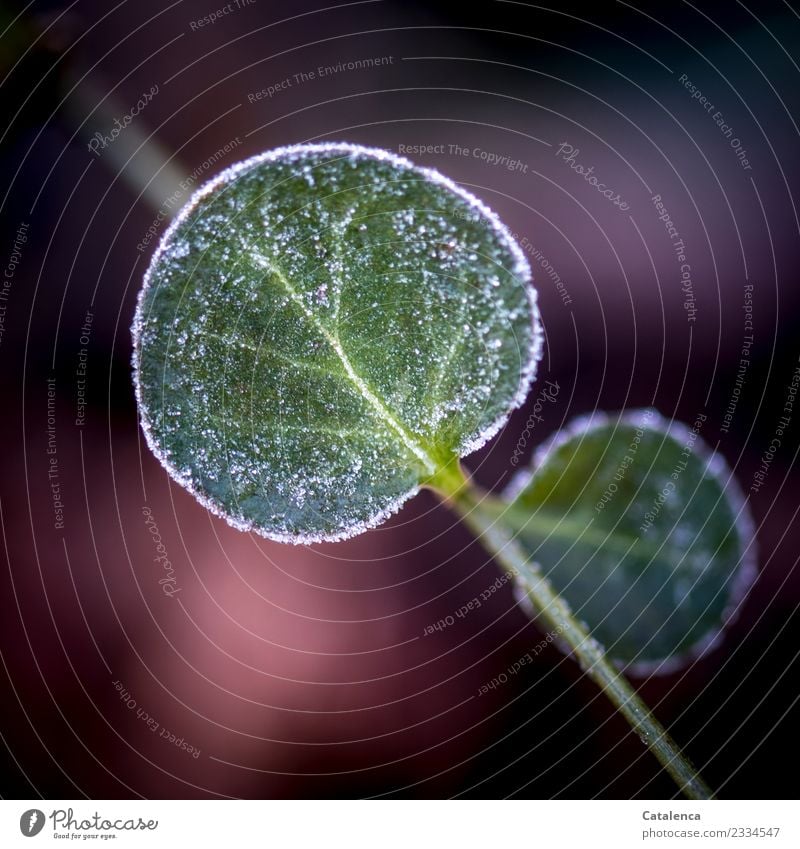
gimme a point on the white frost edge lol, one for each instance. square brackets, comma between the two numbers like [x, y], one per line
[719, 470]
[521, 271]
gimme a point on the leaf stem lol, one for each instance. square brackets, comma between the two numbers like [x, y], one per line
[478, 510]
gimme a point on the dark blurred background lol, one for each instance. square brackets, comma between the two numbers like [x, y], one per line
[304, 671]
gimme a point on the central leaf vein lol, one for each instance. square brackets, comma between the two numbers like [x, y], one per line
[381, 409]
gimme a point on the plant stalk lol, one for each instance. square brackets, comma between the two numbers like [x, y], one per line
[473, 507]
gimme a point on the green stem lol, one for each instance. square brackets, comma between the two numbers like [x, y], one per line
[479, 512]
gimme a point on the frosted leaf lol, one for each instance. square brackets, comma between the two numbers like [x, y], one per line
[642, 529]
[321, 330]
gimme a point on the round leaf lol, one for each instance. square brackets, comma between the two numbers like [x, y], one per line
[321, 331]
[642, 530]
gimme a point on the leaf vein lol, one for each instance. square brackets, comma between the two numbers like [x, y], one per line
[383, 412]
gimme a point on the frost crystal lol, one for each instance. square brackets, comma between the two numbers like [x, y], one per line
[321, 328]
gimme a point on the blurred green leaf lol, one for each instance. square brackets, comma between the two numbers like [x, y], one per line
[641, 529]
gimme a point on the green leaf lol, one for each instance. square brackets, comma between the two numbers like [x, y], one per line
[642, 530]
[322, 330]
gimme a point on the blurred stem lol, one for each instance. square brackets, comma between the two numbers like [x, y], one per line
[135, 155]
[483, 514]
